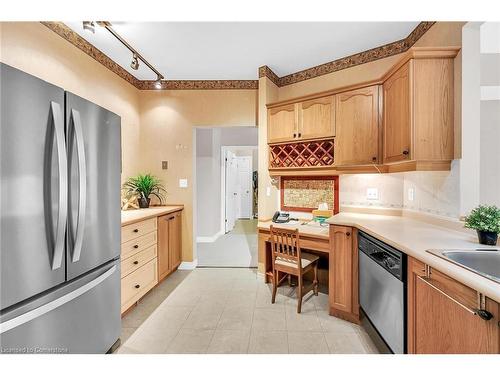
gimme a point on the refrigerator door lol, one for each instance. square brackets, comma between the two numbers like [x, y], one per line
[82, 316]
[33, 184]
[94, 163]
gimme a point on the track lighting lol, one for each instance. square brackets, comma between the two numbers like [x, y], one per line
[89, 26]
[158, 83]
[135, 62]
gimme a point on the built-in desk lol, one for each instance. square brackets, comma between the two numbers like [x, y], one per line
[312, 236]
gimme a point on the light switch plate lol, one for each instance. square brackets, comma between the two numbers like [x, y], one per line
[372, 193]
[411, 194]
[268, 191]
[183, 183]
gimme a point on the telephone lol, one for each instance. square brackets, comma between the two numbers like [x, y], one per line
[282, 217]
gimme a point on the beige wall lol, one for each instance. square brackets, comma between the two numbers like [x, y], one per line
[33, 48]
[153, 123]
[167, 120]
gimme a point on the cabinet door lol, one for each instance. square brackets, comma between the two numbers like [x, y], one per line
[282, 124]
[175, 240]
[357, 127]
[397, 115]
[164, 241]
[316, 118]
[343, 278]
[441, 317]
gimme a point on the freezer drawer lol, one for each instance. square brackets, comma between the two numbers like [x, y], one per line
[80, 317]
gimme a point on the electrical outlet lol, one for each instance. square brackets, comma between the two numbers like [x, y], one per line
[411, 194]
[268, 191]
[164, 164]
[183, 183]
[372, 193]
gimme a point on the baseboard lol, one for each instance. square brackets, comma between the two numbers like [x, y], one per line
[188, 265]
[205, 239]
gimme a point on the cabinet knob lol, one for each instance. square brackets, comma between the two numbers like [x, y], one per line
[294, 135]
[484, 314]
[300, 135]
[137, 286]
[136, 230]
[136, 262]
[348, 234]
[374, 158]
[406, 152]
[136, 246]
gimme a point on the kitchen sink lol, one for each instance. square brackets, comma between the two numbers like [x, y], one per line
[485, 262]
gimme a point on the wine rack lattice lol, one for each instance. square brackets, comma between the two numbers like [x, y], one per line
[301, 155]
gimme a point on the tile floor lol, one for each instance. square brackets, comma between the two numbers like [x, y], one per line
[229, 310]
[237, 248]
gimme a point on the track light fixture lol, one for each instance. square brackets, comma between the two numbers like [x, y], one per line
[135, 62]
[89, 26]
[158, 83]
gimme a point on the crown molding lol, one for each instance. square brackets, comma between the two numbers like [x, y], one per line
[364, 57]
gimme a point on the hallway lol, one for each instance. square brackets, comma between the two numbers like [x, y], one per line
[237, 248]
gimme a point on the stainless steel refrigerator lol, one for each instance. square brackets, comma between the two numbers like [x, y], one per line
[60, 219]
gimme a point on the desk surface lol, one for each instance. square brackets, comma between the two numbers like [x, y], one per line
[310, 229]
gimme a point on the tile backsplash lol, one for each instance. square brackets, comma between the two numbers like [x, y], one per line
[436, 193]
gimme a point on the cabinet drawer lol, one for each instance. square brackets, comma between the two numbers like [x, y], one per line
[138, 283]
[136, 245]
[135, 230]
[138, 260]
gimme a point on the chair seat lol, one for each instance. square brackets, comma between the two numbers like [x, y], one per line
[306, 260]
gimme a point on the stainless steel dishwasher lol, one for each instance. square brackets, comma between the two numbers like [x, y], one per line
[382, 290]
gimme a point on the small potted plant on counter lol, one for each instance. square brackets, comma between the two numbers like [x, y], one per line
[486, 221]
[143, 186]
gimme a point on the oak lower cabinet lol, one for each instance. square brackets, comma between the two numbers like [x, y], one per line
[169, 243]
[418, 111]
[357, 127]
[442, 315]
[343, 273]
[139, 273]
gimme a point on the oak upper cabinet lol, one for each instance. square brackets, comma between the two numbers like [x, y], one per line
[316, 118]
[282, 124]
[343, 273]
[357, 127]
[418, 111]
[442, 315]
[169, 243]
[397, 115]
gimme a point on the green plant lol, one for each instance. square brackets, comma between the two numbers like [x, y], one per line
[484, 218]
[144, 186]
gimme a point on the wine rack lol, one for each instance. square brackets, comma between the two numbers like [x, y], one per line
[302, 154]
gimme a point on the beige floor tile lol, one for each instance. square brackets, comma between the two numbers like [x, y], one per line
[308, 305]
[268, 342]
[307, 343]
[263, 299]
[344, 343]
[265, 319]
[126, 333]
[367, 342]
[151, 339]
[192, 341]
[241, 299]
[126, 350]
[202, 320]
[321, 302]
[332, 324]
[307, 320]
[167, 317]
[229, 342]
[238, 318]
[245, 285]
[183, 297]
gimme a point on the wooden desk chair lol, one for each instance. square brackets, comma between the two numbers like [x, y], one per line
[286, 258]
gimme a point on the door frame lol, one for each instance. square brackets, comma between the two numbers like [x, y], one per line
[224, 149]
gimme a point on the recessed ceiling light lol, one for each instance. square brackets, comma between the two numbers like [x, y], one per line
[135, 62]
[89, 26]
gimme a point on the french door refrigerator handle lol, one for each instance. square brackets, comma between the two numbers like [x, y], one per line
[82, 179]
[62, 160]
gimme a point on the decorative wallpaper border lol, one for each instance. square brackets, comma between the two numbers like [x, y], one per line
[373, 54]
[364, 57]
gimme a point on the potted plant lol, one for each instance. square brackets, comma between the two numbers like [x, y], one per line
[486, 221]
[143, 186]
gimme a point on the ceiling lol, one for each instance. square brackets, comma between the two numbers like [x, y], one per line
[235, 50]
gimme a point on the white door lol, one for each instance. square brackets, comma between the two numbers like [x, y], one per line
[231, 190]
[244, 187]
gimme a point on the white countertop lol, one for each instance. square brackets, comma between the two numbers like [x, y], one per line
[133, 216]
[414, 237]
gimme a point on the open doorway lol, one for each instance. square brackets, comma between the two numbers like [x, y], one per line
[226, 208]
